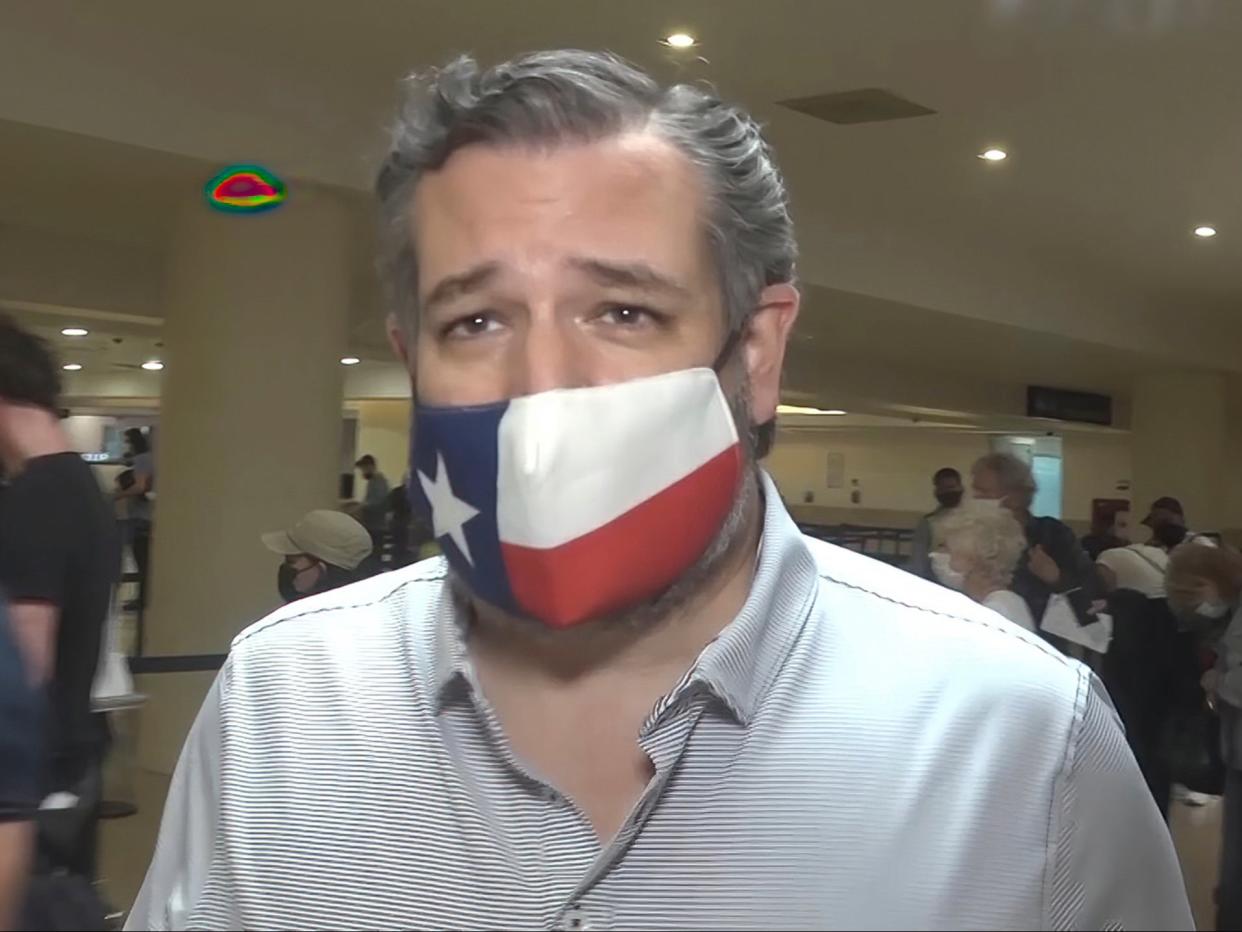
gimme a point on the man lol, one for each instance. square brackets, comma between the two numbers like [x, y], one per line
[1167, 510]
[633, 696]
[374, 510]
[19, 776]
[947, 487]
[1054, 561]
[1110, 529]
[137, 496]
[324, 550]
[59, 562]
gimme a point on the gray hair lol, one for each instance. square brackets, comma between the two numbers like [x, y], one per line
[1013, 475]
[546, 98]
[990, 538]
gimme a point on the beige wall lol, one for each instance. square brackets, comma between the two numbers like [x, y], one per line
[384, 431]
[894, 467]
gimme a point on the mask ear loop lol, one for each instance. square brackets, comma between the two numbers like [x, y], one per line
[763, 433]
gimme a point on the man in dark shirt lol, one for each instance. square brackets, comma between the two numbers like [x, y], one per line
[1054, 561]
[59, 562]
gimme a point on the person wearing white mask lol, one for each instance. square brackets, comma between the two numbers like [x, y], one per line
[1205, 593]
[979, 549]
[1053, 562]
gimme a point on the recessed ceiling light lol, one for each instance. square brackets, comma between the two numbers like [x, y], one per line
[993, 155]
[800, 409]
[153, 365]
[71, 366]
[74, 332]
[1205, 232]
[680, 40]
[350, 360]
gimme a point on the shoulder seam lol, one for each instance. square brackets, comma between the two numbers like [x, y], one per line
[260, 626]
[1060, 658]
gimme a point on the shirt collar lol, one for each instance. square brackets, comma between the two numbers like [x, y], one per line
[738, 666]
[741, 663]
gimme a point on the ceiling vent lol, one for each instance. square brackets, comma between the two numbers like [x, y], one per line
[866, 105]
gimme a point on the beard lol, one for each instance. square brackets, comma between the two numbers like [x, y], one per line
[700, 578]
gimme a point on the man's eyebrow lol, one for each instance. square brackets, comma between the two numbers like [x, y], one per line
[455, 286]
[628, 275]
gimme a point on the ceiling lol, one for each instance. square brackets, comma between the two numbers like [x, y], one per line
[1071, 260]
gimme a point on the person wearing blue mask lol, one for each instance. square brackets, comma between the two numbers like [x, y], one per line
[1205, 592]
[631, 694]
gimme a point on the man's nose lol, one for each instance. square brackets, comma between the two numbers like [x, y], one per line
[547, 357]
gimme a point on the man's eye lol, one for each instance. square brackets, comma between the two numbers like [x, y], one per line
[472, 325]
[629, 315]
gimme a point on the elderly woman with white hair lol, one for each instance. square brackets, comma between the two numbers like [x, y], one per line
[979, 549]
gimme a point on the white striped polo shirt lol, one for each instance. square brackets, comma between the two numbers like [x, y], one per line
[859, 748]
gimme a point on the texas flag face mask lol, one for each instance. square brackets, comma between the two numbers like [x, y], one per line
[575, 503]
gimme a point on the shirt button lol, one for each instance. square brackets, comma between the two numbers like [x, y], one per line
[577, 919]
[550, 795]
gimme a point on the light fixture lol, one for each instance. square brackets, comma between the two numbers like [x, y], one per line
[993, 155]
[74, 332]
[799, 409]
[72, 366]
[153, 365]
[1205, 232]
[680, 40]
[350, 360]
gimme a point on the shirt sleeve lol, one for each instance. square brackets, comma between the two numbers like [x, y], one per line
[33, 538]
[186, 846]
[1113, 865]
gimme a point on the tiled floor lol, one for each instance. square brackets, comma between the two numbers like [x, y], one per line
[126, 846]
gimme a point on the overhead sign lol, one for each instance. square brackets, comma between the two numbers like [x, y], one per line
[245, 189]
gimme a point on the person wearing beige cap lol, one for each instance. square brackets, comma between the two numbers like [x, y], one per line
[322, 551]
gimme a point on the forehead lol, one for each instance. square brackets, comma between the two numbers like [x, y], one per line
[615, 194]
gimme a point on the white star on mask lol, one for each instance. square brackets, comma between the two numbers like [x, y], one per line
[448, 512]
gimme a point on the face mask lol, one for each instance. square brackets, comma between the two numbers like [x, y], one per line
[576, 503]
[949, 499]
[947, 575]
[293, 583]
[988, 503]
[1212, 609]
[284, 583]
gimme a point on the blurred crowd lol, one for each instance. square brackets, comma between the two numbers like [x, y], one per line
[1156, 612]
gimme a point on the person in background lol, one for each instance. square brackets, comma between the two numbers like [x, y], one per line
[1205, 593]
[947, 487]
[1150, 668]
[1053, 562]
[1167, 510]
[20, 732]
[977, 552]
[59, 565]
[1139, 567]
[1108, 530]
[137, 496]
[324, 550]
[374, 511]
[632, 695]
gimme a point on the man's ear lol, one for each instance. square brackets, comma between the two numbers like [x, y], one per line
[399, 340]
[763, 348]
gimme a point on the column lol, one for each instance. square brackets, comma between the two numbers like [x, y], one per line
[250, 428]
[1179, 427]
